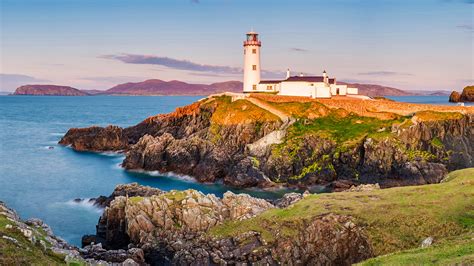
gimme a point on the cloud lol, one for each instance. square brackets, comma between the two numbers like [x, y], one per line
[384, 73]
[172, 63]
[467, 27]
[300, 50]
[9, 82]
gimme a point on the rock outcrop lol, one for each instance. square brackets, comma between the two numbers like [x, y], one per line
[173, 228]
[110, 138]
[219, 140]
[455, 97]
[30, 237]
[467, 95]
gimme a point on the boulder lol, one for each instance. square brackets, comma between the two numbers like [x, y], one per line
[467, 94]
[110, 138]
[455, 97]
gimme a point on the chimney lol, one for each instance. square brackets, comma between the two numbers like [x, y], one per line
[288, 73]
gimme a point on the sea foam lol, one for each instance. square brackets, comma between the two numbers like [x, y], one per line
[85, 203]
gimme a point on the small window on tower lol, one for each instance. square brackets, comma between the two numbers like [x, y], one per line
[254, 51]
[254, 67]
[244, 51]
[254, 87]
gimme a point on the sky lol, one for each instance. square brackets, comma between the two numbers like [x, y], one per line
[96, 44]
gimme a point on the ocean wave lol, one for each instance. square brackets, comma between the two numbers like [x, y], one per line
[57, 134]
[49, 147]
[85, 203]
[186, 178]
[111, 153]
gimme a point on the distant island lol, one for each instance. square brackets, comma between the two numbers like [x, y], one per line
[467, 95]
[50, 90]
[160, 87]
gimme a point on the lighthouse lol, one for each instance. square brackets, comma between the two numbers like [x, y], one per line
[251, 62]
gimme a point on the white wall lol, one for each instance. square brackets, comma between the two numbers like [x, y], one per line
[342, 89]
[352, 91]
[296, 89]
[263, 87]
[251, 77]
[323, 92]
[306, 89]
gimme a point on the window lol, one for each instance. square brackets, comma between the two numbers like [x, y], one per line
[254, 51]
[254, 67]
[254, 87]
[269, 87]
[244, 51]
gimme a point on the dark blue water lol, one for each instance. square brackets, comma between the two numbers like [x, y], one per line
[41, 182]
[439, 100]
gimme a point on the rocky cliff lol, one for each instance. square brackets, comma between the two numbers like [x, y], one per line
[31, 241]
[50, 90]
[467, 95]
[173, 228]
[217, 139]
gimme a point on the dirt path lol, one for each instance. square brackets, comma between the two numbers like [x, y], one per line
[284, 117]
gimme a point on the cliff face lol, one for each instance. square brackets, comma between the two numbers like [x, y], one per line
[173, 228]
[51, 90]
[217, 139]
[467, 95]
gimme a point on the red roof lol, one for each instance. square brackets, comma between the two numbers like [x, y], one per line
[270, 81]
[306, 78]
[332, 81]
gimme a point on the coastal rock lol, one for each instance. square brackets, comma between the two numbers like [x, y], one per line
[127, 190]
[243, 206]
[31, 236]
[364, 188]
[96, 252]
[171, 228]
[217, 140]
[467, 95]
[326, 240]
[288, 199]
[110, 138]
[455, 97]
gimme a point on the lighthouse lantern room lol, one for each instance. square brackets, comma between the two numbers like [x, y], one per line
[251, 62]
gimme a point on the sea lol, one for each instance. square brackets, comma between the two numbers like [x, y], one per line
[39, 178]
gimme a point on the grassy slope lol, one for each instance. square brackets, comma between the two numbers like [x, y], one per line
[395, 219]
[28, 253]
[238, 112]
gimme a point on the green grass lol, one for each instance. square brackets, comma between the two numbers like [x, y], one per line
[453, 251]
[135, 199]
[27, 253]
[341, 128]
[436, 142]
[395, 219]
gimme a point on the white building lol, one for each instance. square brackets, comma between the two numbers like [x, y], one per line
[308, 86]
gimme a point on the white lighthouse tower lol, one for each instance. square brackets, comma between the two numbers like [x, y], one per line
[251, 62]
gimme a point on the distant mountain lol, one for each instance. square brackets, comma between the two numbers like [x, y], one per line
[92, 92]
[51, 90]
[377, 90]
[431, 93]
[174, 87]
